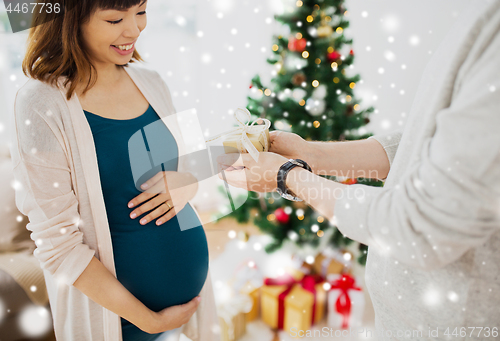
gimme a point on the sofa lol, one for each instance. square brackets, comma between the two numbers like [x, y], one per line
[24, 304]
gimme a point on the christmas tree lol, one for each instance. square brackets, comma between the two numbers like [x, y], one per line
[311, 94]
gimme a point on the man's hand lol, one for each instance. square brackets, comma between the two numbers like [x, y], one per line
[242, 171]
[289, 145]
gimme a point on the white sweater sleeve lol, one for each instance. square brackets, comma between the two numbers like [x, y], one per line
[449, 201]
[390, 142]
[44, 190]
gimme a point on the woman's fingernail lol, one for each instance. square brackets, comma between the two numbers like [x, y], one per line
[158, 222]
[133, 215]
[198, 298]
[130, 204]
[143, 221]
[144, 186]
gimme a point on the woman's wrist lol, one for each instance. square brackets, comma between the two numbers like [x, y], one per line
[151, 322]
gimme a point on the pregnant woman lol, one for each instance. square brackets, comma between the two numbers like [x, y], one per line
[117, 262]
[161, 266]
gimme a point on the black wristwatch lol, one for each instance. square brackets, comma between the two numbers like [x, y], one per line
[282, 174]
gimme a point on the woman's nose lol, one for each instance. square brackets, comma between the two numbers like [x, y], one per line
[133, 30]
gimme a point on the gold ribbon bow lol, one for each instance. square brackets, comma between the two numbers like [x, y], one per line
[243, 117]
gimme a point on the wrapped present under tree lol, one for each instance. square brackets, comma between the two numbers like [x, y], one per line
[346, 303]
[295, 300]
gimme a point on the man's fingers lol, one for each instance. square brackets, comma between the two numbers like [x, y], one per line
[274, 135]
[228, 159]
[236, 160]
[236, 178]
[231, 168]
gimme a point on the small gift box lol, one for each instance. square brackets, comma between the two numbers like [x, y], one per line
[254, 294]
[232, 318]
[293, 301]
[330, 263]
[300, 263]
[233, 330]
[247, 280]
[346, 303]
[246, 138]
[233, 143]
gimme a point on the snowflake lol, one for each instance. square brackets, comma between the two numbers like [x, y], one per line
[432, 297]
[452, 296]
[414, 40]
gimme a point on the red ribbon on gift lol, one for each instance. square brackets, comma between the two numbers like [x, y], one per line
[308, 282]
[343, 304]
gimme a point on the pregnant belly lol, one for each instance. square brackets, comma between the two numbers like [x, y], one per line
[161, 265]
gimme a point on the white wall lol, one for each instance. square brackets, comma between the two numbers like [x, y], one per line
[416, 28]
[208, 51]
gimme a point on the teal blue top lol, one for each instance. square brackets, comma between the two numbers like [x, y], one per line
[160, 265]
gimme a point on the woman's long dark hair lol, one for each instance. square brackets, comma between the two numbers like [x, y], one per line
[55, 45]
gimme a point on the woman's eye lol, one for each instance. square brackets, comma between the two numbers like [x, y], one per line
[118, 21]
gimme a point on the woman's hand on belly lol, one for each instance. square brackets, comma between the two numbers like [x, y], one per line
[170, 192]
[171, 317]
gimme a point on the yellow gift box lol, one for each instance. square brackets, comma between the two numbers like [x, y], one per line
[232, 319]
[233, 330]
[233, 142]
[246, 138]
[254, 294]
[291, 305]
[325, 266]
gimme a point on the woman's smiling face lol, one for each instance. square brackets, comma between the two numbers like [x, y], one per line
[110, 35]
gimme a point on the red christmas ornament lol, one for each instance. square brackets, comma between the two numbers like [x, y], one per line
[334, 55]
[297, 45]
[281, 216]
[351, 53]
[350, 181]
[251, 86]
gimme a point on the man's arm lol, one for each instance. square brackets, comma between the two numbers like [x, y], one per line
[353, 159]
[319, 193]
[448, 202]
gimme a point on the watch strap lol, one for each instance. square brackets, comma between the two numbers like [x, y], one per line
[282, 175]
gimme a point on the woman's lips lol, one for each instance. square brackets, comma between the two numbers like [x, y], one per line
[124, 52]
